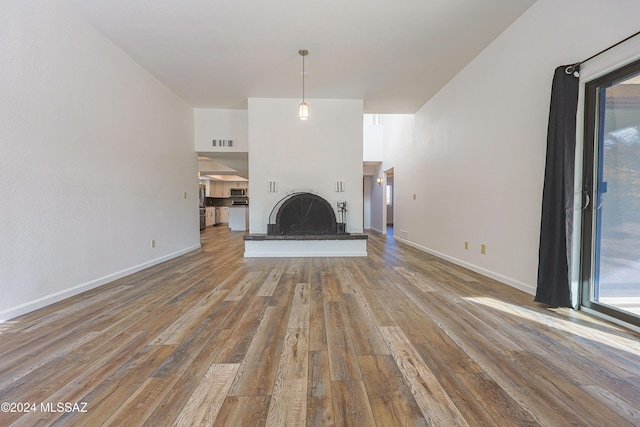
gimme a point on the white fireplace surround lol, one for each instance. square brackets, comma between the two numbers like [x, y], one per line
[314, 154]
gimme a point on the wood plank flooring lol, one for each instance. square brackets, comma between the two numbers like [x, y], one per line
[399, 338]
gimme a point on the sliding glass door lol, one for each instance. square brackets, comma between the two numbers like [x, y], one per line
[611, 197]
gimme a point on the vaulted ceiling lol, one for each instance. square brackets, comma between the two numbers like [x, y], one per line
[217, 53]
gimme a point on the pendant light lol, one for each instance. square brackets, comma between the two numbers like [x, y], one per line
[303, 110]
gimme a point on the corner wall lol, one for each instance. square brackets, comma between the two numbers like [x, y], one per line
[477, 157]
[97, 156]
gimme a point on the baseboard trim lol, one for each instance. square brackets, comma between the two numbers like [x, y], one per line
[275, 254]
[524, 287]
[30, 306]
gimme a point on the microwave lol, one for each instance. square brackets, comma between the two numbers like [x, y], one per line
[238, 192]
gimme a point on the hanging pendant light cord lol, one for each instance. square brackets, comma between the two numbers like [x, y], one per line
[303, 77]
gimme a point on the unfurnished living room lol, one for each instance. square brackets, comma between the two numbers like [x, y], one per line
[338, 213]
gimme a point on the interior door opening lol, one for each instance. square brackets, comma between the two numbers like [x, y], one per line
[389, 195]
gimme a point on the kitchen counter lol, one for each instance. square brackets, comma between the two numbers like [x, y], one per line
[238, 218]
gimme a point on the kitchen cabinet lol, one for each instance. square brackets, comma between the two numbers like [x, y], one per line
[217, 189]
[210, 220]
[221, 189]
[210, 188]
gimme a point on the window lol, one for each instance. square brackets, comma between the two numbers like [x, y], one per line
[389, 195]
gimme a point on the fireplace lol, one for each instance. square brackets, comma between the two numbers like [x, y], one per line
[304, 225]
[303, 214]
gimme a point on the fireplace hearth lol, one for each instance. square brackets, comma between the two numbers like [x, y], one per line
[303, 214]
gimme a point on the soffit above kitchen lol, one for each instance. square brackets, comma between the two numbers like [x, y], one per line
[216, 54]
[224, 166]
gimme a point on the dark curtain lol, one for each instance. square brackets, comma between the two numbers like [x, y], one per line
[554, 258]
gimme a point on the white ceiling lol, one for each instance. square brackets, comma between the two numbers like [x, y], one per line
[225, 166]
[217, 53]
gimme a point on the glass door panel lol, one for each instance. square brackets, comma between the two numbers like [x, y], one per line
[611, 249]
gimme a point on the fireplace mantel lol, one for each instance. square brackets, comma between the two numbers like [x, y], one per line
[260, 237]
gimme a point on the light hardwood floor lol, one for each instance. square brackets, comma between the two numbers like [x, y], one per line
[397, 338]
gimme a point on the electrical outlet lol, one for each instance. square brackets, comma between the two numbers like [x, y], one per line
[414, 197]
[483, 249]
[466, 245]
[153, 243]
[185, 194]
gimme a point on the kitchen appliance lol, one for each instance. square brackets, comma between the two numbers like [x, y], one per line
[202, 208]
[238, 192]
[240, 202]
[222, 215]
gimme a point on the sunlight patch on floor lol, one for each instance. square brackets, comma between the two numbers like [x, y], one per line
[584, 331]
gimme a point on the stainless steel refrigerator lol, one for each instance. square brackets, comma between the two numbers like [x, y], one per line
[203, 211]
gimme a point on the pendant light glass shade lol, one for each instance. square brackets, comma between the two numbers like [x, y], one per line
[303, 109]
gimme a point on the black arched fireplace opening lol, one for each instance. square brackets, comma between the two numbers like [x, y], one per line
[303, 214]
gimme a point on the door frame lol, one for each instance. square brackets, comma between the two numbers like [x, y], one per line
[591, 176]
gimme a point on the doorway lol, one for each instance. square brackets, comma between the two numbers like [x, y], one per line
[389, 195]
[610, 252]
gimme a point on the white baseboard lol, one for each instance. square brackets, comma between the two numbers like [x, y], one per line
[524, 287]
[30, 306]
[277, 254]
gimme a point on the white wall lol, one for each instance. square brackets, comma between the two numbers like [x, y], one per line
[305, 155]
[477, 162]
[213, 124]
[367, 181]
[399, 148]
[373, 143]
[96, 157]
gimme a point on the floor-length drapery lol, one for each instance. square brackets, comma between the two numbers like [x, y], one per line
[554, 259]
